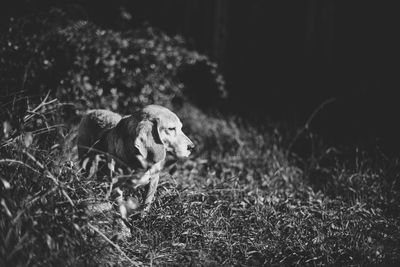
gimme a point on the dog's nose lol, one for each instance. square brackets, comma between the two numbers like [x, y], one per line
[190, 147]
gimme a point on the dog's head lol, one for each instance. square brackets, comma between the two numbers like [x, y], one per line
[157, 131]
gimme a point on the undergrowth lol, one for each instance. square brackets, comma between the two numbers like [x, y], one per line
[246, 205]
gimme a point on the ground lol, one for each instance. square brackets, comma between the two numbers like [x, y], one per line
[242, 199]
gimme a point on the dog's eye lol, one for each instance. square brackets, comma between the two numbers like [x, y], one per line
[171, 129]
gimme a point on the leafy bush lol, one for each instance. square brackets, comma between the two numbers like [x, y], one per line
[92, 67]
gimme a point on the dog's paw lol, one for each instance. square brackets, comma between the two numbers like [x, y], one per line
[128, 207]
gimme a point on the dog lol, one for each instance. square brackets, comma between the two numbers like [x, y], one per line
[139, 141]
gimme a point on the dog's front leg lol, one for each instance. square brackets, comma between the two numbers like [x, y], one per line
[150, 191]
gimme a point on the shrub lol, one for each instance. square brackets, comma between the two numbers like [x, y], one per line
[93, 67]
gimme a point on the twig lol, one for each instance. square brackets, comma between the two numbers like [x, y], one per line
[39, 195]
[18, 162]
[42, 104]
[112, 244]
[33, 113]
[47, 129]
[49, 175]
[29, 155]
[36, 132]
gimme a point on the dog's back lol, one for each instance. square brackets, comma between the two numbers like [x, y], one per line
[93, 125]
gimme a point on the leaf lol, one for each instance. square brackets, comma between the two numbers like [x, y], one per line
[7, 129]
[50, 242]
[6, 184]
[27, 139]
[3, 203]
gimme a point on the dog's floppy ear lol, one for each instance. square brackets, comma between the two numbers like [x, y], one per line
[149, 143]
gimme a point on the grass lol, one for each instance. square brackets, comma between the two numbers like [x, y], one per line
[242, 199]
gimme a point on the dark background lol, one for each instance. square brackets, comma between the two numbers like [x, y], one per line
[281, 59]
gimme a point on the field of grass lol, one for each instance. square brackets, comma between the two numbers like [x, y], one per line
[242, 199]
[248, 196]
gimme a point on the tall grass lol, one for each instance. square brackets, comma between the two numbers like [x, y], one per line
[238, 201]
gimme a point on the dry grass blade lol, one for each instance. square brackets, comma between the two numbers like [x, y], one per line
[113, 244]
[308, 122]
[18, 162]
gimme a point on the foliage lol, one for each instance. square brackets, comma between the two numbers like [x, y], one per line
[238, 201]
[92, 67]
